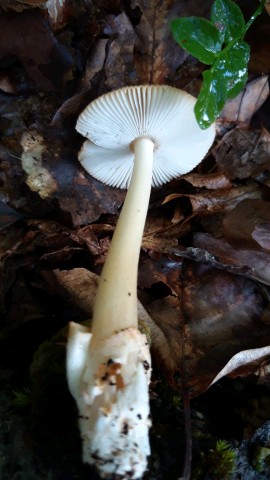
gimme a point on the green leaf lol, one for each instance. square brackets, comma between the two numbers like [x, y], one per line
[224, 80]
[228, 19]
[199, 37]
[231, 68]
[256, 14]
[211, 99]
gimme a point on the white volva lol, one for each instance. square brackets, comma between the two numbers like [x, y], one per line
[138, 137]
[112, 399]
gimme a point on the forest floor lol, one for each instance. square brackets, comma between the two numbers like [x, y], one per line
[204, 269]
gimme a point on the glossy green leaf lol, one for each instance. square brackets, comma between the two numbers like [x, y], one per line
[199, 37]
[211, 99]
[256, 14]
[228, 19]
[231, 68]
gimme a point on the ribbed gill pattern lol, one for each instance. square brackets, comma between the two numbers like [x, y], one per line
[165, 114]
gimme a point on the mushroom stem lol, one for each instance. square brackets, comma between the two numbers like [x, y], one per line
[116, 302]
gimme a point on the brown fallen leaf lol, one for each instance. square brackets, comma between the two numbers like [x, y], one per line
[78, 287]
[261, 234]
[241, 109]
[28, 244]
[211, 181]
[157, 55]
[6, 85]
[249, 263]
[160, 233]
[208, 203]
[40, 242]
[216, 327]
[254, 218]
[243, 153]
[247, 361]
[20, 5]
[217, 323]
[158, 243]
[8, 215]
[223, 316]
[160, 268]
[167, 345]
[48, 63]
[50, 162]
[119, 62]
[97, 239]
[95, 64]
[66, 116]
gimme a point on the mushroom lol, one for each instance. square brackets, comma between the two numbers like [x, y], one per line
[138, 137]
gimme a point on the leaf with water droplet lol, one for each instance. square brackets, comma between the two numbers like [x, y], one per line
[199, 37]
[228, 19]
[211, 99]
[231, 67]
[224, 80]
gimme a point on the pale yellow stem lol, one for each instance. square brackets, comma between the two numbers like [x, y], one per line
[116, 302]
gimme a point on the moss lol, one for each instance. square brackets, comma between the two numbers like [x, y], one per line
[215, 462]
[260, 458]
[22, 398]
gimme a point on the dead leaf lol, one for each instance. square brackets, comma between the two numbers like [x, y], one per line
[252, 264]
[217, 324]
[220, 312]
[159, 232]
[209, 203]
[160, 268]
[95, 61]
[20, 5]
[251, 214]
[8, 215]
[167, 344]
[157, 54]
[261, 234]
[211, 181]
[247, 361]
[50, 162]
[241, 109]
[97, 239]
[78, 287]
[159, 243]
[222, 317]
[66, 116]
[6, 84]
[119, 62]
[48, 63]
[243, 153]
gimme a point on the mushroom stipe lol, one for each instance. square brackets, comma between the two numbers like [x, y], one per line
[138, 137]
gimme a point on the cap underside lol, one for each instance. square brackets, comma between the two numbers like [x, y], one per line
[165, 114]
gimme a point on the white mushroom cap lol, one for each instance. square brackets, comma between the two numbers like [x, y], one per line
[165, 114]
